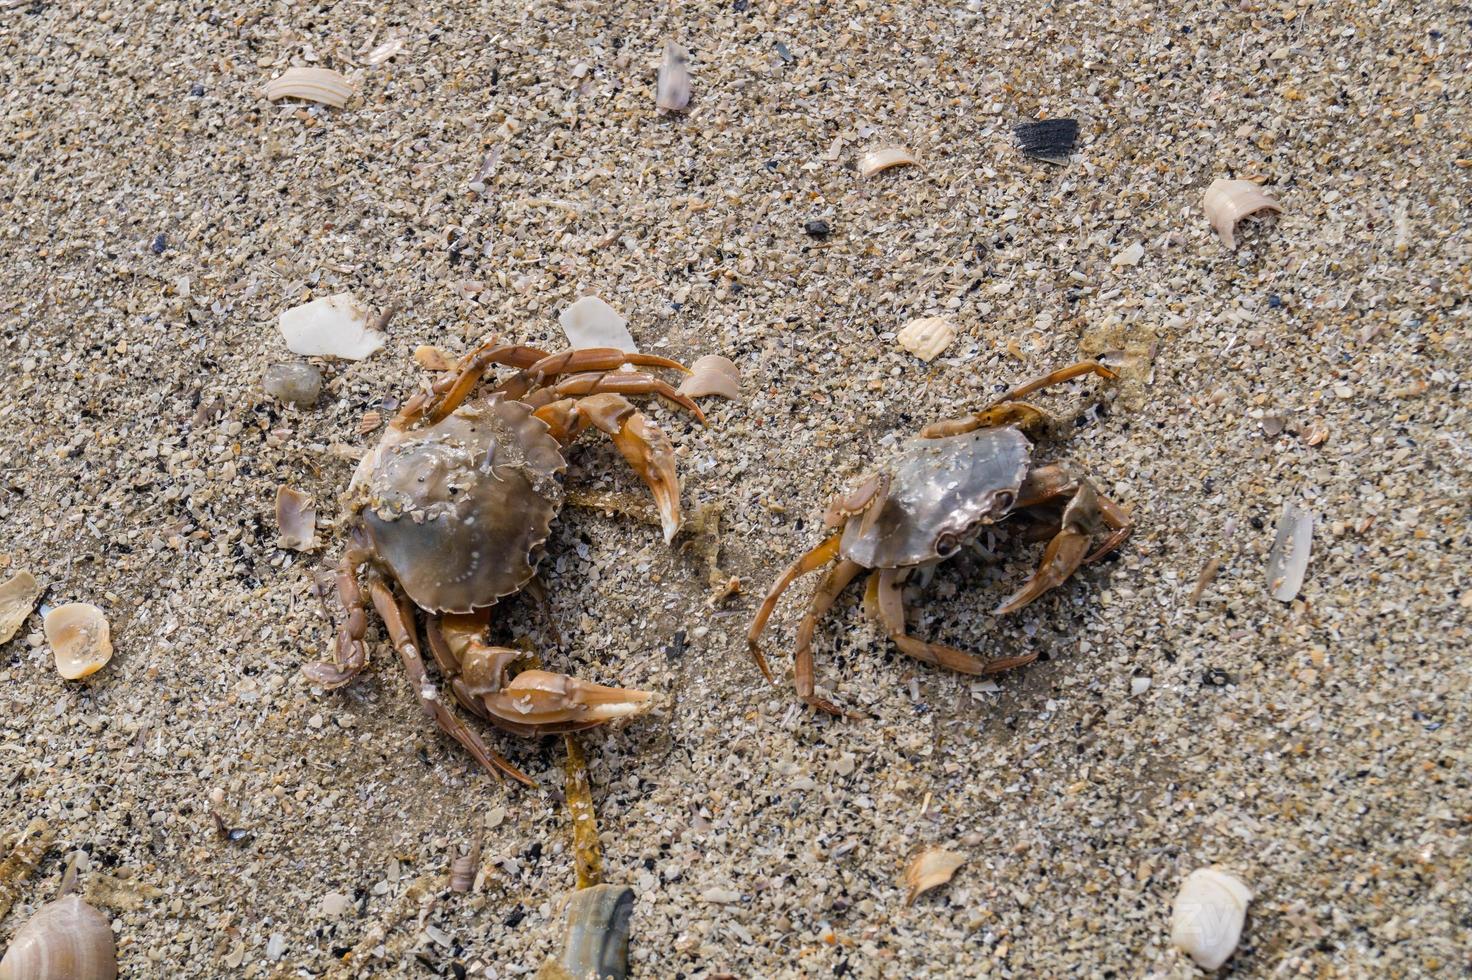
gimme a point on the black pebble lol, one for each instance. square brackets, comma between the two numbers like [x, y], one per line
[1049, 139]
[818, 228]
[159, 244]
[1216, 677]
[1275, 301]
[514, 919]
[740, 6]
[196, 90]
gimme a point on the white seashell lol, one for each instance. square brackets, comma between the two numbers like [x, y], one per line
[1208, 915]
[1288, 561]
[333, 326]
[65, 940]
[672, 87]
[385, 51]
[1130, 256]
[927, 336]
[590, 322]
[712, 375]
[929, 869]
[313, 84]
[883, 158]
[80, 639]
[1227, 202]
[297, 518]
[18, 597]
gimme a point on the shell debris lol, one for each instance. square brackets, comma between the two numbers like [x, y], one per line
[926, 337]
[296, 516]
[1288, 561]
[712, 375]
[18, 595]
[884, 157]
[332, 326]
[65, 938]
[1227, 202]
[80, 639]
[322, 85]
[385, 51]
[929, 869]
[672, 87]
[590, 322]
[1206, 921]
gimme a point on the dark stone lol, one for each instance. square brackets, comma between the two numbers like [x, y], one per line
[817, 228]
[159, 244]
[1051, 139]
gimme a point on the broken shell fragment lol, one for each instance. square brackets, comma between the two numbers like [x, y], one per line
[598, 932]
[590, 322]
[929, 869]
[672, 87]
[712, 375]
[18, 597]
[385, 51]
[79, 639]
[1229, 201]
[883, 158]
[65, 940]
[1288, 561]
[333, 326]
[1050, 140]
[296, 516]
[313, 84]
[927, 336]
[1206, 921]
[296, 384]
[433, 359]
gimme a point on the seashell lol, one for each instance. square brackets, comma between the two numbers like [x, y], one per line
[672, 87]
[883, 158]
[597, 942]
[929, 869]
[369, 422]
[590, 322]
[385, 51]
[1227, 202]
[1050, 140]
[65, 940]
[927, 336]
[297, 384]
[1130, 256]
[333, 326]
[1288, 561]
[313, 84]
[433, 359]
[297, 518]
[18, 597]
[79, 638]
[1206, 921]
[712, 375]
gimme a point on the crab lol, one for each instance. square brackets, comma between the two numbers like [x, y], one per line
[958, 478]
[451, 511]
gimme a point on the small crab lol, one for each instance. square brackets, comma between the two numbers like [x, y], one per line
[453, 508]
[956, 479]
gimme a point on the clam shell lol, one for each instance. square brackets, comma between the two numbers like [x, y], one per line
[598, 932]
[929, 869]
[385, 51]
[18, 597]
[884, 157]
[65, 940]
[672, 87]
[333, 326]
[79, 639]
[1227, 202]
[712, 375]
[1288, 561]
[1207, 919]
[296, 516]
[590, 322]
[313, 84]
[927, 336]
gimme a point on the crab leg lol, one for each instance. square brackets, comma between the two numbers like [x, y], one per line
[1067, 550]
[447, 393]
[350, 656]
[398, 617]
[1054, 378]
[594, 359]
[837, 579]
[1007, 409]
[645, 446]
[811, 561]
[619, 382]
[892, 612]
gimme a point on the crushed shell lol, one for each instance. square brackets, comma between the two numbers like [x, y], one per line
[927, 336]
[885, 157]
[1227, 202]
[929, 869]
[296, 516]
[672, 88]
[313, 84]
[79, 639]
[712, 375]
[18, 597]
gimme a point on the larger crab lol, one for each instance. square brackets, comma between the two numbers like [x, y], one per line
[957, 479]
[453, 507]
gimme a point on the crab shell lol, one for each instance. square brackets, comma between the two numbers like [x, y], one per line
[459, 511]
[941, 491]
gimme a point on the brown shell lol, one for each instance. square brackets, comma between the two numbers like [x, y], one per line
[459, 510]
[941, 490]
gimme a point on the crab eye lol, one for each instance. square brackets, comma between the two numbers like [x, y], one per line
[945, 544]
[1004, 500]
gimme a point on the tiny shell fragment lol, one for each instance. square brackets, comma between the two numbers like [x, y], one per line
[385, 51]
[1207, 919]
[433, 359]
[1289, 558]
[590, 322]
[883, 158]
[313, 84]
[597, 942]
[712, 375]
[1130, 256]
[929, 869]
[672, 88]
[18, 597]
[79, 638]
[927, 336]
[296, 516]
[1229, 201]
[333, 326]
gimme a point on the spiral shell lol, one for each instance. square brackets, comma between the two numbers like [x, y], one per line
[79, 638]
[65, 940]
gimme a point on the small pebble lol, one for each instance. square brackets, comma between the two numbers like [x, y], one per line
[275, 946]
[1139, 685]
[298, 384]
[159, 244]
[817, 228]
[196, 90]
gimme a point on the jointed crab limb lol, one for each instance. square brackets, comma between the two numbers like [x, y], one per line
[1027, 418]
[837, 579]
[587, 359]
[617, 382]
[350, 655]
[892, 611]
[813, 560]
[447, 393]
[1065, 553]
[1053, 378]
[398, 617]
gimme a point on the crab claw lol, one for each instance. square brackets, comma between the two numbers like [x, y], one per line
[650, 453]
[540, 699]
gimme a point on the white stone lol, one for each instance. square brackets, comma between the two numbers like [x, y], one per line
[1139, 685]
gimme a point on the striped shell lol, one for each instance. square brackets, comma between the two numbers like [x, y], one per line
[65, 940]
